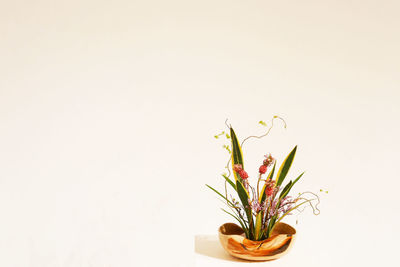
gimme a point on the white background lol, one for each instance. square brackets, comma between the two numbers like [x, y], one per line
[108, 111]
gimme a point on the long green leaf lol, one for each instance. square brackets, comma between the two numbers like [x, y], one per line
[284, 169]
[220, 194]
[298, 178]
[230, 205]
[244, 198]
[243, 195]
[258, 225]
[285, 190]
[229, 181]
[237, 156]
[288, 187]
[270, 226]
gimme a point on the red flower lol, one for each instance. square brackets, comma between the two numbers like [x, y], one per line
[237, 167]
[270, 187]
[243, 174]
[263, 169]
[269, 191]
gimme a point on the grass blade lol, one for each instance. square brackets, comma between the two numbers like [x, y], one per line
[229, 181]
[220, 194]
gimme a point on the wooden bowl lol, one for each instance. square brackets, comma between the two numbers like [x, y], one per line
[234, 241]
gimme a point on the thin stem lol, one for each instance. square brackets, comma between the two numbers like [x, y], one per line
[258, 190]
[237, 210]
[226, 192]
[286, 213]
[269, 129]
[315, 208]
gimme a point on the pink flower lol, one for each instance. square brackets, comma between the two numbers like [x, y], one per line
[237, 167]
[270, 187]
[263, 169]
[243, 174]
[255, 206]
[269, 191]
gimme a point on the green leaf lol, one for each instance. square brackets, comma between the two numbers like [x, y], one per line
[285, 190]
[237, 157]
[220, 194]
[258, 225]
[243, 195]
[291, 184]
[284, 169]
[271, 174]
[244, 198]
[229, 181]
[271, 225]
[298, 178]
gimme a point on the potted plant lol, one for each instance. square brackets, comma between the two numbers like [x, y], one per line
[259, 210]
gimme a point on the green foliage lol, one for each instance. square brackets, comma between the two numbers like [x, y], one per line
[257, 231]
[229, 181]
[225, 198]
[237, 157]
[244, 198]
[288, 187]
[241, 222]
[284, 169]
[263, 123]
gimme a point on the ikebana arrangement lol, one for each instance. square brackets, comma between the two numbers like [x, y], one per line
[260, 209]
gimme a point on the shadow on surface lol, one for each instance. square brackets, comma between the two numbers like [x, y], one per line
[208, 245]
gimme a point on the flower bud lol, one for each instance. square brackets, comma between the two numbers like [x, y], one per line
[263, 169]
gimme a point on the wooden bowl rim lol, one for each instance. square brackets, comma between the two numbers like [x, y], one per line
[231, 229]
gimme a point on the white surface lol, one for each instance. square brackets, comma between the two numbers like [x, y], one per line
[108, 111]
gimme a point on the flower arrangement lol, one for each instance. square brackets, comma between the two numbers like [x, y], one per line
[259, 211]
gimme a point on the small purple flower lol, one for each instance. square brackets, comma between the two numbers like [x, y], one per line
[255, 206]
[286, 205]
[273, 210]
[264, 205]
